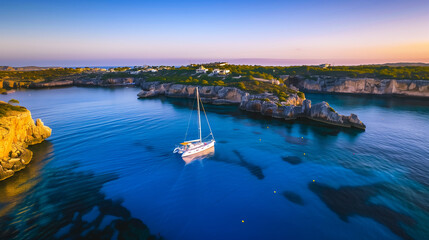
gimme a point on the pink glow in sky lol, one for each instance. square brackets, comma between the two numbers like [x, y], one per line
[133, 33]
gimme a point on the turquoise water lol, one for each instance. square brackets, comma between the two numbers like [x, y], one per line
[109, 161]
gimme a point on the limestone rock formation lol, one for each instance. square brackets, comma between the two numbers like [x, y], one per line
[17, 131]
[209, 94]
[64, 83]
[321, 112]
[414, 88]
[265, 103]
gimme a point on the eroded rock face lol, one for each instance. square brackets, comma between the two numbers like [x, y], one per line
[265, 103]
[320, 112]
[416, 88]
[210, 94]
[17, 131]
[110, 82]
[64, 83]
[323, 112]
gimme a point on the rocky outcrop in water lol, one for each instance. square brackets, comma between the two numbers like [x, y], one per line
[321, 112]
[267, 104]
[17, 131]
[414, 88]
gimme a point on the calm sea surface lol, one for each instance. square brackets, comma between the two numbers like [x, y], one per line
[109, 161]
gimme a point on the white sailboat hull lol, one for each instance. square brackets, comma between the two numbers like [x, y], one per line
[199, 147]
[196, 146]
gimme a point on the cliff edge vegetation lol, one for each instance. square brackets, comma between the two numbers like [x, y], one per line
[369, 79]
[17, 131]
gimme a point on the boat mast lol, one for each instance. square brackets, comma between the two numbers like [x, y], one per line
[199, 117]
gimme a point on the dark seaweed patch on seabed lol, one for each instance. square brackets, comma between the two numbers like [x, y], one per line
[253, 169]
[348, 201]
[294, 160]
[70, 196]
[293, 197]
[296, 140]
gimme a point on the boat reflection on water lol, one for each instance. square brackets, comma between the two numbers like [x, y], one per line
[208, 153]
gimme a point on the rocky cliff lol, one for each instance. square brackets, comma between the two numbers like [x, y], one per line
[413, 88]
[209, 94]
[110, 82]
[64, 83]
[17, 131]
[265, 103]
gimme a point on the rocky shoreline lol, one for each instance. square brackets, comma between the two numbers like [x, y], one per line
[17, 132]
[266, 104]
[111, 82]
[319, 84]
[410, 88]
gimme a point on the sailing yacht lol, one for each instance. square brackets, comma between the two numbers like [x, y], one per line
[191, 147]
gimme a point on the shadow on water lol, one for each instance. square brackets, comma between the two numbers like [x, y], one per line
[293, 197]
[63, 204]
[14, 189]
[348, 201]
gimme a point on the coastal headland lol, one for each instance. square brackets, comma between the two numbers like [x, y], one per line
[17, 131]
[295, 106]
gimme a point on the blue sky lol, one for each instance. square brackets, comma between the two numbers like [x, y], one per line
[150, 32]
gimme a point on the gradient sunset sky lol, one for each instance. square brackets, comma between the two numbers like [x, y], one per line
[107, 33]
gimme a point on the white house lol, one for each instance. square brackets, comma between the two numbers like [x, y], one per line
[325, 65]
[221, 71]
[201, 69]
[151, 70]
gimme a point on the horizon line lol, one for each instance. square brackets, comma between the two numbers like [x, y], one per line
[187, 61]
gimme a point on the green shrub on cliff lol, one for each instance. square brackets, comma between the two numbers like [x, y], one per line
[241, 86]
[13, 101]
[7, 108]
[301, 95]
[219, 83]
[41, 75]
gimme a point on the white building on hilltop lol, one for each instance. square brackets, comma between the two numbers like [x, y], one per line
[221, 71]
[201, 69]
[325, 65]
